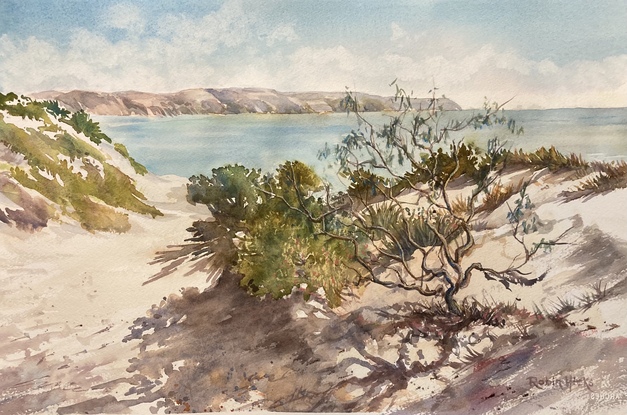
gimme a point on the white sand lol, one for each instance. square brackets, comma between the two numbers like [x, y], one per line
[72, 295]
[68, 296]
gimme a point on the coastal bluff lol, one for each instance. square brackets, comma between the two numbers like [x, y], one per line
[222, 101]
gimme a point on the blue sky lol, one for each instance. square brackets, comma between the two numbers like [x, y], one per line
[544, 53]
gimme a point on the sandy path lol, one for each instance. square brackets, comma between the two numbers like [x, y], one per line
[68, 298]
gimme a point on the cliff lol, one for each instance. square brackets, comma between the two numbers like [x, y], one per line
[220, 101]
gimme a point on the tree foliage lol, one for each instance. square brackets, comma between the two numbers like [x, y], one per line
[259, 228]
[419, 238]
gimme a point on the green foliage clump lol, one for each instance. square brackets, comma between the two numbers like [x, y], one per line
[280, 256]
[5, 99]
[549, 158]
[53, 108]
[402, 232]
[230, 193]
[443, 166]
[277, 246]
[69, 189]
[367, 186]
[81, 122]
[23, 107]
[138, 167]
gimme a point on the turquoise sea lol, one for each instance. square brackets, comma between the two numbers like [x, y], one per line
[188, 145]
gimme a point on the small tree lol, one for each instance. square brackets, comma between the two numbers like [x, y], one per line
[396, 225]
[400, 177]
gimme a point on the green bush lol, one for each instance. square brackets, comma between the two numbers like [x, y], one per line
[279, 256]
[279, 247]
[231, 193]
[82, 123]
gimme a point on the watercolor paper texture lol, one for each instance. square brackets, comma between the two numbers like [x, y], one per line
[301, 206]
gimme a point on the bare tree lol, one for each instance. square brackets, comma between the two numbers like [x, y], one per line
[399, 178]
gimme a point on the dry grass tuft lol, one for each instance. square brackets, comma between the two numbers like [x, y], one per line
[610, 176]
[599, 293]
[490, 313]
[498, 194]
[549, 158]
[460, 206]
[606, 177]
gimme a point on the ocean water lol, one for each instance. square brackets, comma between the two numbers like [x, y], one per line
[188, 145]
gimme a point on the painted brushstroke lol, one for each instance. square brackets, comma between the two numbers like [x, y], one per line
[480, 275]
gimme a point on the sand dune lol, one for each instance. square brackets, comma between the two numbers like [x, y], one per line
[70, 298]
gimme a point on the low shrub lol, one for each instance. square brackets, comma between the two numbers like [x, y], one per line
[498, 194]
[549, 158]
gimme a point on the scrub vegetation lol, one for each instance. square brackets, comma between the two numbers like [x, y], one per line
[424, 217]
[74, 175]
[406, 219]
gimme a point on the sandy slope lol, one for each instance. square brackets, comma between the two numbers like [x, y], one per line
[69, 297]
[585, 343]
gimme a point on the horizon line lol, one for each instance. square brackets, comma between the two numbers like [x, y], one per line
[524, 108]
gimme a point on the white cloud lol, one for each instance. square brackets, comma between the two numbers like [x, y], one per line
[125, 16]
[546, 67]
[93, 62]
[282, 33]
[229, 26]
[397, 33]
[225, 48]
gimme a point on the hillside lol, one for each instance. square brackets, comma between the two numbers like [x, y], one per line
[220, 101]
[58, 165]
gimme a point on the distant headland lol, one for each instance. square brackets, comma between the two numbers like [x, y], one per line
[222, 101]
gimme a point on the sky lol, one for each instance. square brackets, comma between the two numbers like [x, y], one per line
[541, 53]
